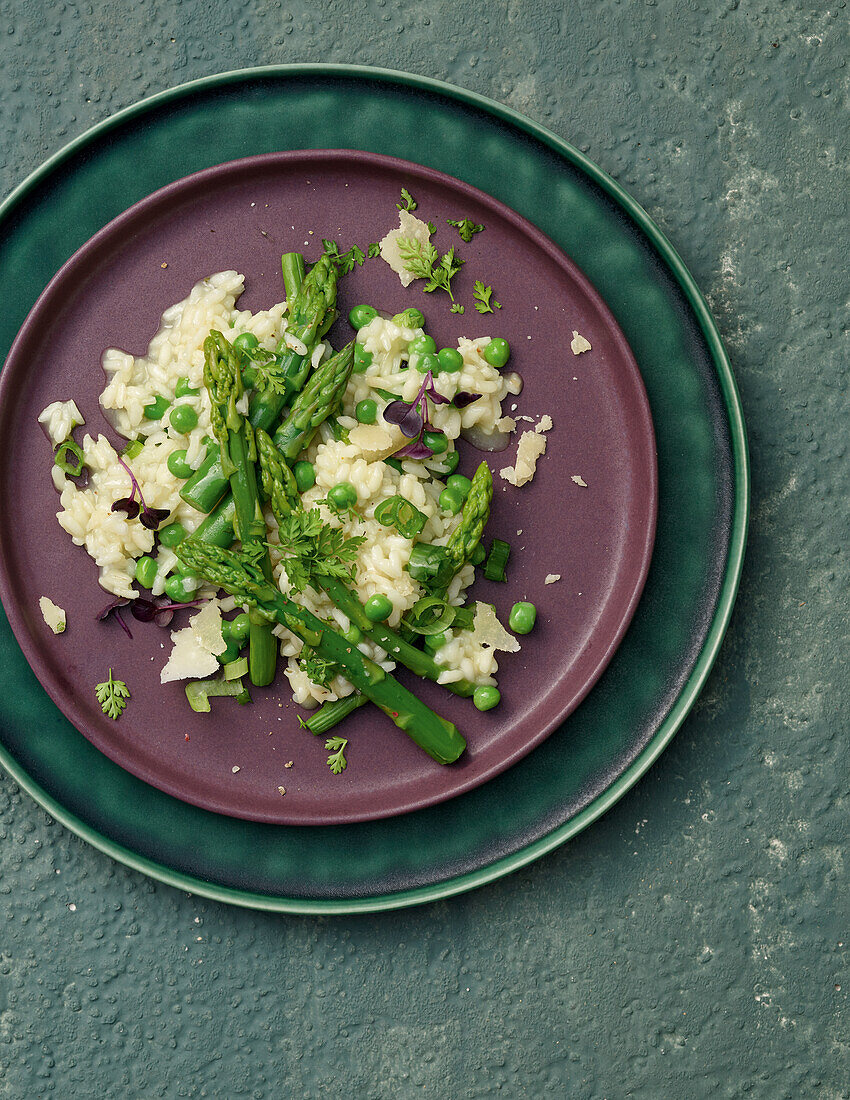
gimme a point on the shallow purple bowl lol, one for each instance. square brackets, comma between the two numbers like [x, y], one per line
[599, 538]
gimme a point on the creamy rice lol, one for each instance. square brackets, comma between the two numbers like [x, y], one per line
[176, 352]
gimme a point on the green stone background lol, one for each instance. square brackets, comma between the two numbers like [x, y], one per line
[693, 942]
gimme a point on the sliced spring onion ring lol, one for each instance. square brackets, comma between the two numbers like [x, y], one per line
[64, 463]
[497, 560]
[430, 615]
[398, 512]
[234, 670]
[199, 693]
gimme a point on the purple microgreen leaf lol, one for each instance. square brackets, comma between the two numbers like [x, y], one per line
[153, 517]
[163, 618]
[143, 609]
[128, 505]
[119, 602]
[433, 392]
[464, 398]
[407, 417]
[417, 449]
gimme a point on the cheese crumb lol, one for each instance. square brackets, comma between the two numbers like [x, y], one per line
[506, 424]
[281, 790]
[54, 616]
[579, 344]
[487, 630]
[412, 229]
[579, 480]
[196, 647]
[552, 577]
[531, 446]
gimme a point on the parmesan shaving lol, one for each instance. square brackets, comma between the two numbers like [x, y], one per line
[531, 446]
[551, 578]
[487, 630]
[411, 228]
[54, 616]
[579, 343]
[196, 647]
[377, 441]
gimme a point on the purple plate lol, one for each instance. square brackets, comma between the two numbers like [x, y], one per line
[598, 537]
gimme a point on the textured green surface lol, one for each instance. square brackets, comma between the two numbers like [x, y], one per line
[690, 943]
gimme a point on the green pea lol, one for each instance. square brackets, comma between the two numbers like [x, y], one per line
[146, 570]
[178, 465]
[377, 608]
[450, 360]
[425, 361]
[236, 630]
[422, 345]
[156, 409]
[342, 495]
[437, 441]
[305, 475]
[460, 484]
[362, 359]
[451, 461]
[172, 535]
[353, 635]
[436, 641]
[180, 589]
[479, 555]
[245, 341]
[360, 316]
[183, 389]
[497, 352]
[366, 411]
[451, 501]
[485, 697]
[183, 418]
[522, 617]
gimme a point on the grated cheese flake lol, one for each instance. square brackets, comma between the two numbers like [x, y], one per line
[579, 480]
[552, 577]
[411, 228]
[196, 647]
[531, 446]
[579, 343]
[377, 441]
[53, 615]
[487, 630]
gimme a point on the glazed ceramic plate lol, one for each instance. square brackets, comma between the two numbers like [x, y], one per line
[596, 536]
[601, 749]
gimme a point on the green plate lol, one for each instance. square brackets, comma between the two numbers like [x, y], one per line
[643, 697]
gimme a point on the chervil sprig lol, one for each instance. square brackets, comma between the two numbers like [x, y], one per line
[482, 295]
[466, 228]
[336, 761]
[112, 696]
[313, 549]
[408, 202]
[345, 261]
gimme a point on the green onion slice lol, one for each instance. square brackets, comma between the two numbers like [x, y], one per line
[398, 512]
[430, 615]
[60, 459]
[134, 448]
[494, 569]
[233, 670]
[199, 693]
[430, 565]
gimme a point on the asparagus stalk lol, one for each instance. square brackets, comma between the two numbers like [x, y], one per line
[330, 714]
[238, 455]
[311, 311]
[243, 577]
[476, 511]
[315, 403]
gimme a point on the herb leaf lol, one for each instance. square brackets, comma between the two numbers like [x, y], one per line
[482, 295]
[315, 549]
[465, 228]
[419, 259]
[374, 250]
[345, 261]
[336, 761]
[457, 307]
[408, 202]
[112, 696]
[319, 669]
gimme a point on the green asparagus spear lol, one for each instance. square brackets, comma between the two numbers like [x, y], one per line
[476, 511]
[242, 576]
[330, 714]
[316, 401]
[312, 308]
[238, 454]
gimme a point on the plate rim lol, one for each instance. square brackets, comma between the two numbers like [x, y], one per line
[732, 569]
[642, 542]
